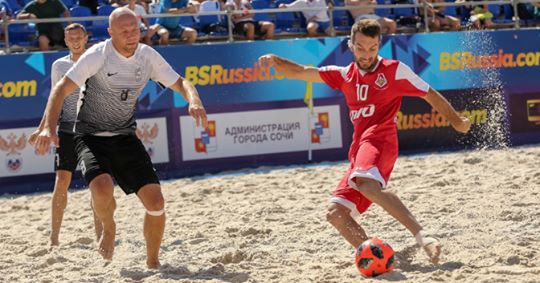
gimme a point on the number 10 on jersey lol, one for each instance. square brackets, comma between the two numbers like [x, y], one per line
[361, 92]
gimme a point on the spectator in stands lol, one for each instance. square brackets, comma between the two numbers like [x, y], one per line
[154, 7]
[438, 20]
[171, 27]
[90, 4]
[317, 21]
[245, 25]
[147, 30]
[5, 12]
[387, 25]
[49, 34]
[535, 10]
[118, 3]
[481, 16]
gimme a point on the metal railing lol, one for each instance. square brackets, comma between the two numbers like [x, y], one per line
[230, 26]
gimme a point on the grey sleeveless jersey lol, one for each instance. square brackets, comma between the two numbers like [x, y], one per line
[111, 84]
[69, 109]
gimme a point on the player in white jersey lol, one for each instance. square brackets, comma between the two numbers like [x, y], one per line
[65, 161]
[112, 75]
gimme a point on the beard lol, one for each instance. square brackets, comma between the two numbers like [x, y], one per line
[366, 66]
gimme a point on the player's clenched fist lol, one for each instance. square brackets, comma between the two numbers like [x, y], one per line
[267, 60]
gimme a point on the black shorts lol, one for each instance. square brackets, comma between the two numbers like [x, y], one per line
[239, 27]
[65, 157]
[55, 36]
[123, 156]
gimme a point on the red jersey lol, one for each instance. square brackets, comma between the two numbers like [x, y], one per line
[374, 97]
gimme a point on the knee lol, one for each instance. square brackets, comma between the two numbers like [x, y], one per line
[371, 189]
[154, 201]
[337, 214]
[102, 187]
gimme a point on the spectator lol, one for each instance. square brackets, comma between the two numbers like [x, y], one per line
[438, 20]
[171, 27]
[245, 25]
[118, 3]
[387, 25]
[5, 12]
[49, 34]
[481, 17]
[147, 30]
[535, 10]
[90, 4]
[317, 21]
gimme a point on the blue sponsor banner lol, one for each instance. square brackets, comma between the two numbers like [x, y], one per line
[226, 74]
[477, 71]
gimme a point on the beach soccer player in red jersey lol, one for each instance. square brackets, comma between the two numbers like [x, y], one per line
[373, 89]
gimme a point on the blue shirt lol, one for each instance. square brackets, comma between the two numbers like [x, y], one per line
[173, 22]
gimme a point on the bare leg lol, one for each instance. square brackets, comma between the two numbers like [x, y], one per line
[371, 189]
[339, 216]
[43, 43]
[98, 227]
[102, 189]
[59, 203]
[154, 226]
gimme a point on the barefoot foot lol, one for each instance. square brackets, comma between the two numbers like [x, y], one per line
[106, 243]
[433, 249]
[153, 264]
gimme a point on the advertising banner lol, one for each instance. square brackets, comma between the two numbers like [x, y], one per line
[18, 157]
[153, 134]
[261, 132]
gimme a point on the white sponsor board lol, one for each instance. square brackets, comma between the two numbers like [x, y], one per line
[17, 156]
[261, 132]
[153, 134]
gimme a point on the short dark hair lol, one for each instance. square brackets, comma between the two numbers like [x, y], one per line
[367, 27]
[75, 26]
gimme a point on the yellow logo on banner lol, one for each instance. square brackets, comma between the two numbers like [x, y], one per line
[11, 89]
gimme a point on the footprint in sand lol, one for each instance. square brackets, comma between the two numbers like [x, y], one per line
[85, 241]
[230, 257]
[38, 253]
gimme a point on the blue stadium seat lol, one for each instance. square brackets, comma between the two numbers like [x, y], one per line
[288, 21]
[22, 34]
[403, 12]
[259, 5]
[81, 11]
[99, 28]
[69, 3]
[384, 12]
[342, 20]
[206, 23]
[14, 5]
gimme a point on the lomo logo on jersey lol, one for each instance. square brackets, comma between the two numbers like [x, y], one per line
[147, 134]
[381, 80]
[13, 147]
[364, 112]
[320, 128]
[205, 138]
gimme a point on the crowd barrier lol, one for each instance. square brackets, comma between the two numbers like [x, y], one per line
[226, 15]
[257, 117]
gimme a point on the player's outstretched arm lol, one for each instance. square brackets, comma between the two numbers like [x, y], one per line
[437, 101]
[290, 69]
[190, 94]
[47, 130]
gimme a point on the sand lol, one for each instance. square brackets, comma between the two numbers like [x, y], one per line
[268, 225]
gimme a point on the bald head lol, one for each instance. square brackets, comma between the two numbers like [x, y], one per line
[124, 30]
[122, 14]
